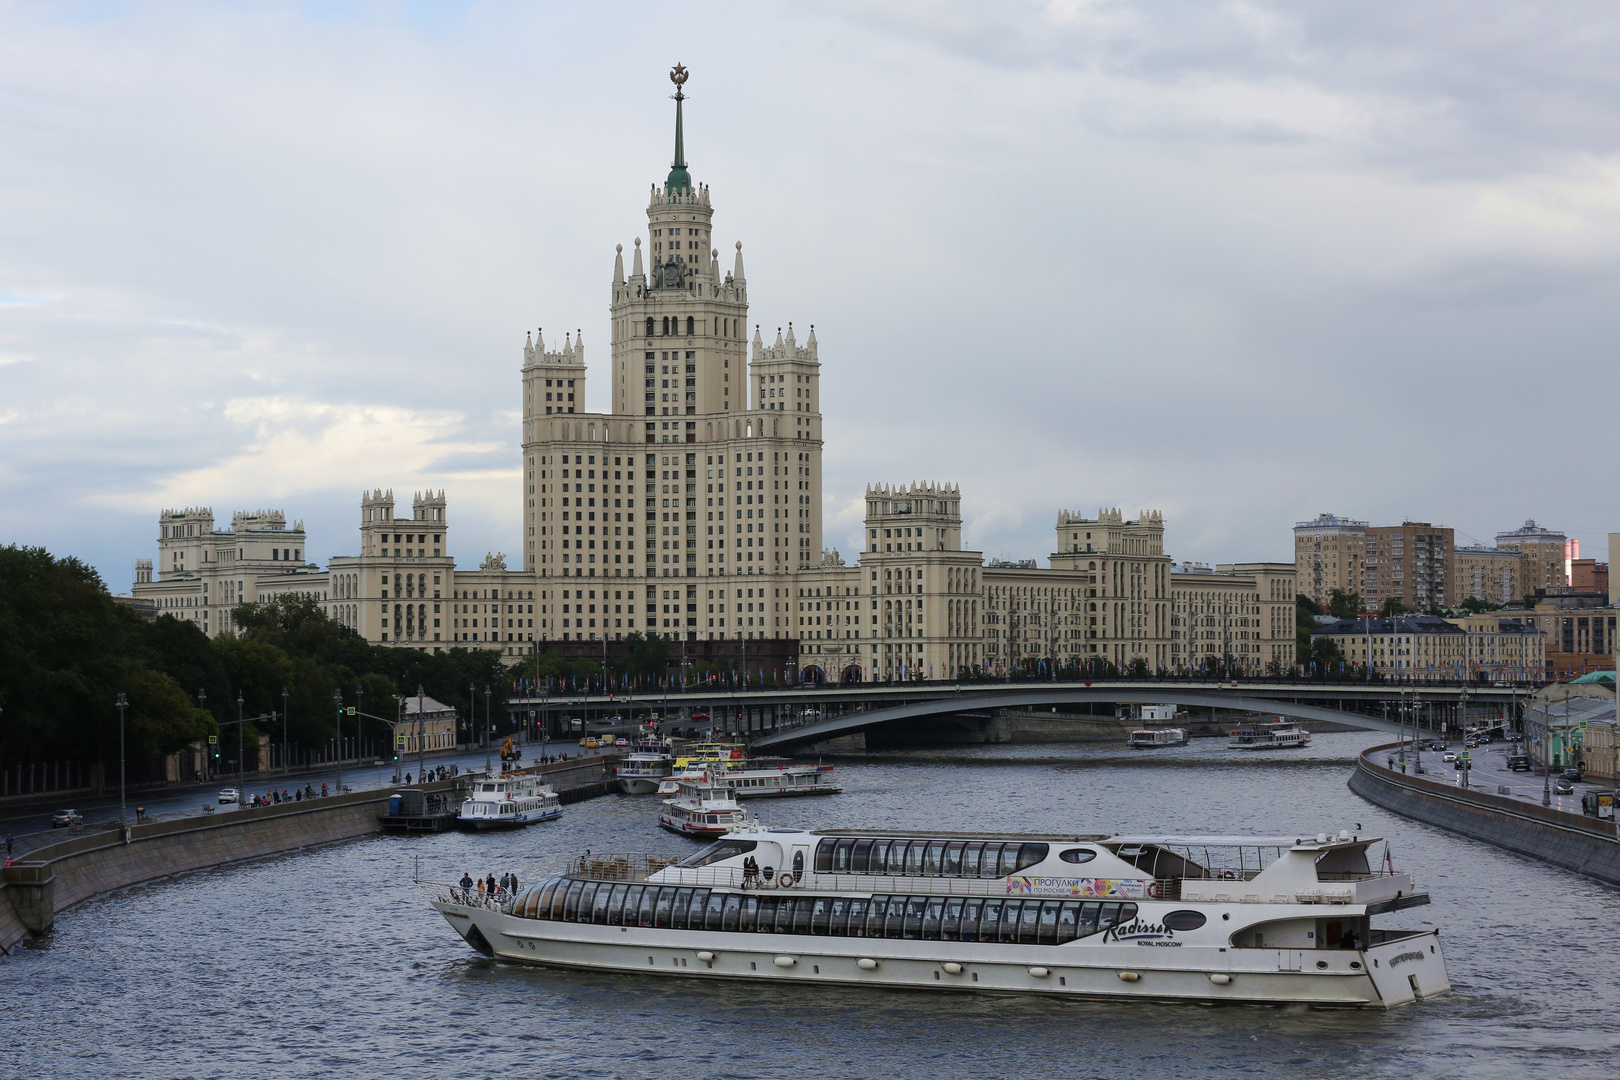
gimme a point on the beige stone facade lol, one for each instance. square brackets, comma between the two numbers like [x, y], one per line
[1543, 554]
[1485, 573]
[1329, 553]
[1237, 617]
[693, 510]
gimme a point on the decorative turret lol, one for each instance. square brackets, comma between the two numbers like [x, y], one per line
[553, 382]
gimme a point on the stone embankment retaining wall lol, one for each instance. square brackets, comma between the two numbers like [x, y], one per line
[51, 879]
[1573, 841]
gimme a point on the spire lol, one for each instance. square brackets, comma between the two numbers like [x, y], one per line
[736, 269]
[635, 268]
[618, 264]
[680, 181]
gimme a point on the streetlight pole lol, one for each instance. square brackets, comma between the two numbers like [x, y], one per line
[284, 767]
[337, 699]
[241, 766]
[123, 812]
[202, 696]
[489, 731]
[421, 736]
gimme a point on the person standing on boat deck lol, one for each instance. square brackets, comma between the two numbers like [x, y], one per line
[750, 872]
[466, 880]
[480, 888]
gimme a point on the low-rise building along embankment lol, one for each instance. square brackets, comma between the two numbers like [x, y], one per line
[1572, 841]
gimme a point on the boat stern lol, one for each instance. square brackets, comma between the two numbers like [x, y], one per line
[1407, 966]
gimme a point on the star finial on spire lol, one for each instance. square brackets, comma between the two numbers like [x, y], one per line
[678, 75]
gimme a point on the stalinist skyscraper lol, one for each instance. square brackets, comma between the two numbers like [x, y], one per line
[707, 471]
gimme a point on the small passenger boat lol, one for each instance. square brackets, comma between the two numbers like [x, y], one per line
[643, 771]
[701, 807]
[1153, 738]
[1278, 735]
[1240, 919]
[508, 802]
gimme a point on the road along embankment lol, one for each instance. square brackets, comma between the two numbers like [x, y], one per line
[52, 878]
[1572, 841]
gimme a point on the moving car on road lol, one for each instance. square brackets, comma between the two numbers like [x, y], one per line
[63, 818]
[229, 795]
[1563, 787]
[1449, 756]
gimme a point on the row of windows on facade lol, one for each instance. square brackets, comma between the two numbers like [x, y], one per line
[925, 918]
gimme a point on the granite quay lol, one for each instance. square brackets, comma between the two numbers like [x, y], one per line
[1514, 821]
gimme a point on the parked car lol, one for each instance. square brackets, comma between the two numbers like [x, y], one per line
[229, 794]
[1449, 756]
[63, 818]
[1563, 787]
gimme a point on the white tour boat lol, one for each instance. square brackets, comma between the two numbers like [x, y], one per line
[702, 807]
[508, 802]
[1152, 738]
[1279, 735]
[767, 778]
[643, 771]
[1253, 920]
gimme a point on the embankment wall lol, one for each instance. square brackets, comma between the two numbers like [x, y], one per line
[1573, 841]
[53, 878]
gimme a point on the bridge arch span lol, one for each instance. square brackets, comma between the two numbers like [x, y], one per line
[823, 730]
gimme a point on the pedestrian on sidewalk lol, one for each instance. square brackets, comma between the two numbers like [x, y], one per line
[323, 789]
[8, 843]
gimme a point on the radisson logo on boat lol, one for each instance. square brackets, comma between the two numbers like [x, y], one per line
[1143, 933]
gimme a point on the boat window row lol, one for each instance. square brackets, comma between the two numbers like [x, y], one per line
[926, 918]
[926, 858]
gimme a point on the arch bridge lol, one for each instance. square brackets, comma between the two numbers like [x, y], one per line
[1373, 708]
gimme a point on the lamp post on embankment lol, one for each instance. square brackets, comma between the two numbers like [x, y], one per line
[123, 811]
[337, 699]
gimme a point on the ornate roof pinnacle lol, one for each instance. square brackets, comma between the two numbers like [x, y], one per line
[679, 181]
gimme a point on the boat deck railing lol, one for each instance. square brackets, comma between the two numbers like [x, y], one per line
[449, 892]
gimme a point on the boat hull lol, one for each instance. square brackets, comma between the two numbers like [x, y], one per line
[508, 822]
[1252, 976]
[640, 785]
[783, 793]
[692, 828]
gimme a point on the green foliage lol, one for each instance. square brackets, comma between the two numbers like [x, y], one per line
[646, 654]
[1325, 651]
[1393, 607]
[1305, 612]
[68, 649]
[1344, 605]
[1474, 605]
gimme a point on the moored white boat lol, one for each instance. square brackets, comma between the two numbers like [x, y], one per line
[1152, 738]
[1278, 735]
[1252, 920]
[507, 802]
[701, 807]
[643, 771]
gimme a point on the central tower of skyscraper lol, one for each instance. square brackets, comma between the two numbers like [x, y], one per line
[708, 464]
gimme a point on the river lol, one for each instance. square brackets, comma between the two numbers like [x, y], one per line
[330, 963]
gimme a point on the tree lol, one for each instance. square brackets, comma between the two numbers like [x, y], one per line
[1474, 605]
[1392, 608]
[1325, 653]
[1344, 605]
[1305, 612]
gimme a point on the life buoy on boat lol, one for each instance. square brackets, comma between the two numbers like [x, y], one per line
[1228, 875]
[785, 881]
[1155, 890]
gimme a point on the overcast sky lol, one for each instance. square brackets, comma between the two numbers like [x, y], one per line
[1241, 263]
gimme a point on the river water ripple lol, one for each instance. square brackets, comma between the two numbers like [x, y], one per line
[329, 962]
